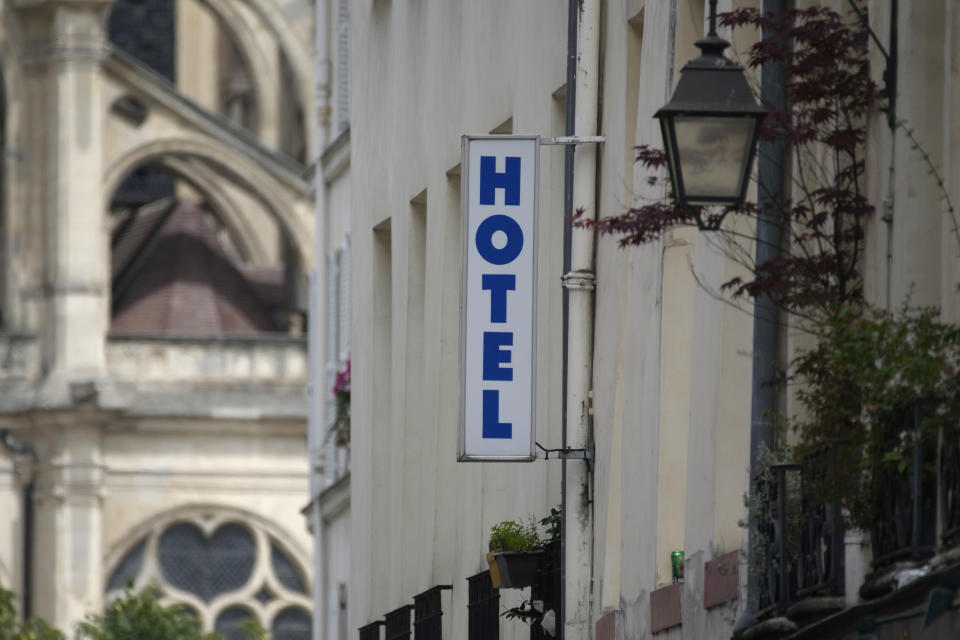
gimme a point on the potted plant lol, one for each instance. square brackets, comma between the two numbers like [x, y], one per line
[515, 555]
[340, 429]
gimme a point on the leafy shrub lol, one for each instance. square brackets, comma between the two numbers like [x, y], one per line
[511, 535]
[876, 385]
[11, 628]
[138, 616]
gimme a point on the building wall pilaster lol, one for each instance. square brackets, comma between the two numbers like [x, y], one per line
[68, 501]
[61, 50]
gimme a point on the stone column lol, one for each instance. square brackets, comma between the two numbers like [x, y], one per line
[68, 500]
[11, 555]
[63, 46]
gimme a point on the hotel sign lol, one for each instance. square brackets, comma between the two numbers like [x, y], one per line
[499, 206]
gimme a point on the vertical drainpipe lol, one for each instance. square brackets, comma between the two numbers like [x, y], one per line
[578, 282]
[25, 462]
[316, 335]
[772, 162]
[568, 150]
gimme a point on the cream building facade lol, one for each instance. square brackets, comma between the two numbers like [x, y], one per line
[156, 216]
[671, 364]
[329, 442]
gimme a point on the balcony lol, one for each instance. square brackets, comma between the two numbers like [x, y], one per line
[267, 359]
[799, 564]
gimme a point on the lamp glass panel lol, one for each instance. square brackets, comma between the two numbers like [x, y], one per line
[713, 155]
[670, 149]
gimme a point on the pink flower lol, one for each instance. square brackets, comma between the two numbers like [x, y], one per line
[342, 382]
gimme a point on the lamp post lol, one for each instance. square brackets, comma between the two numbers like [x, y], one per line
[710, 126]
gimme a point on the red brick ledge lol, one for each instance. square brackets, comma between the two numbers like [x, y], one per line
[721, 580]
[665, 607]
[607, 626]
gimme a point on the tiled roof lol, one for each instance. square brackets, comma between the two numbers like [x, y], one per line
[181, 282]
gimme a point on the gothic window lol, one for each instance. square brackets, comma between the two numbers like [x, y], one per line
[145, 29]
[224, 570]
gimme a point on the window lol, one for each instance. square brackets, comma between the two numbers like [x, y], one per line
[483, 606]
[224, 570]
[397, 623]
[427, 614]
[145, 29]
[342, 611]
[371, 631]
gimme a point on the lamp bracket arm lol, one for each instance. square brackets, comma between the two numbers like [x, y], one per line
[890, 73]
[866, 24]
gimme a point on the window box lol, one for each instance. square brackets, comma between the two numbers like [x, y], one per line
[516, 569]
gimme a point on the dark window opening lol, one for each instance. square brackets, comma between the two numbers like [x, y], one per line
[143, 185]
[483, 607]
[285, 569]
[129, 568]
[371, 631]
[207, 566]
[146, 30]
[397, 623]
[428, 613]
[342, 611]
[292, 624]
[549, 590]
[230, 622]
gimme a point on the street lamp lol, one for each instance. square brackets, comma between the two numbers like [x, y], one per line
[710, 126]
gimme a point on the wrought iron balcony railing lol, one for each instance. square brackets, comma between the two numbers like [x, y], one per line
[800, 553]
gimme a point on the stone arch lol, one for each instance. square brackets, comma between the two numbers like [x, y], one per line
[279, 199]
[257, 61]
[203, 179]
[210, 518]
[296, 52]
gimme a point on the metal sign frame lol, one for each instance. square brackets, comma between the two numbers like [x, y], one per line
[529, 454]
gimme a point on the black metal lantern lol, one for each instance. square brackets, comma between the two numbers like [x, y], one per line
[710, 126]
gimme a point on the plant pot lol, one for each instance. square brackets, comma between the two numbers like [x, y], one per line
[495, 580]
[518, 569]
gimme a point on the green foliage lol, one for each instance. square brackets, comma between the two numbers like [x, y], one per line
[876, 386]
[140, 617]
[553, 524]
[511, 535]
[251, 629]
[529, 612]
[11, 628]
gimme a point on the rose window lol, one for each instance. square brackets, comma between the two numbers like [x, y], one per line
[224, 572]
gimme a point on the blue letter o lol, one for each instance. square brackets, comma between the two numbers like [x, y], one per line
[485, 232]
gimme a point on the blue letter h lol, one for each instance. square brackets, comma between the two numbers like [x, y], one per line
[509, 180]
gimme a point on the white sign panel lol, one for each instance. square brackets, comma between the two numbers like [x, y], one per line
[499, 191]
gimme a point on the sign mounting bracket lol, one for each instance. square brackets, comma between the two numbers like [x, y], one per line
[563, 454]
[574, 140]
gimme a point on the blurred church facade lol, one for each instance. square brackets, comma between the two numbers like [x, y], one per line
[156, 216]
